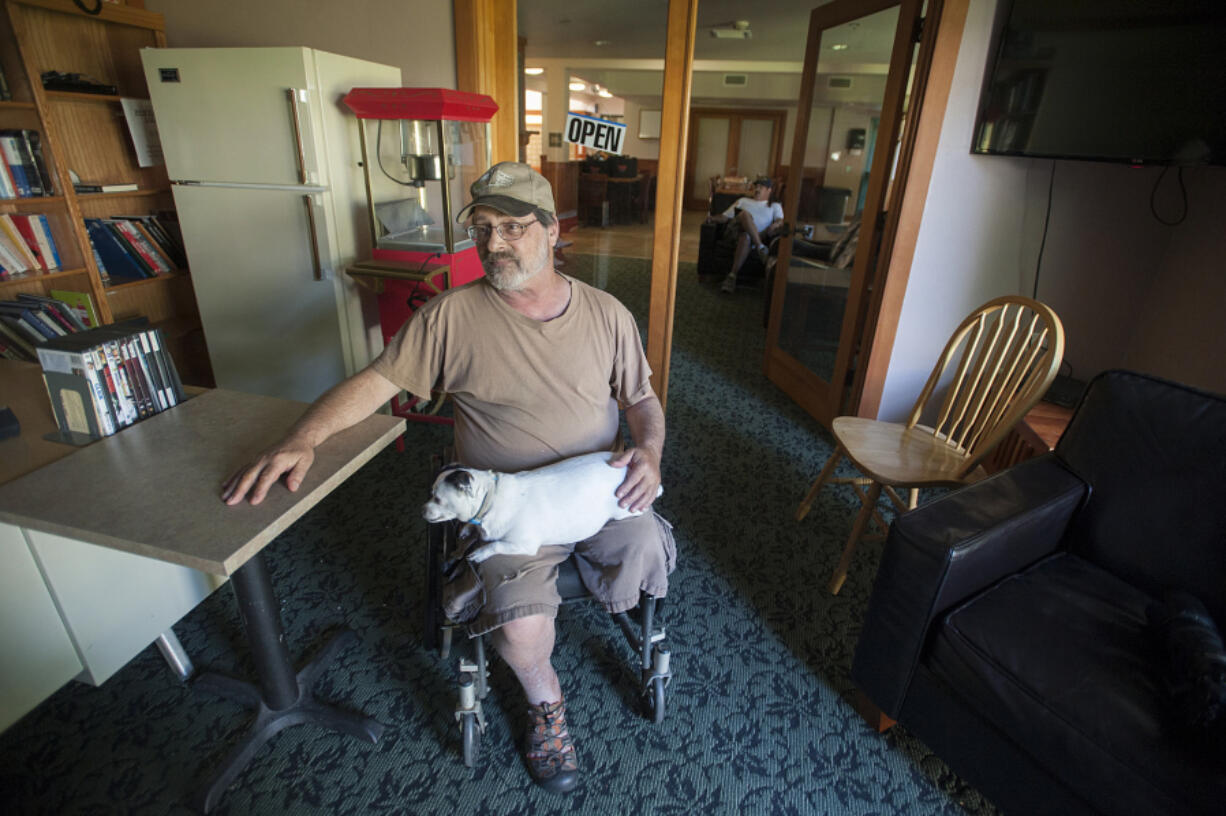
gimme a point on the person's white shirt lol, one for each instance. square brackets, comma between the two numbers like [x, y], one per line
[763, 213]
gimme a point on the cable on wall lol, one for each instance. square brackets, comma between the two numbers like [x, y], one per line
[1038, 264]
[1183, 192]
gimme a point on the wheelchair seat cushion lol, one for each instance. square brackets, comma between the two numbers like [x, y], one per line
[1062, 658]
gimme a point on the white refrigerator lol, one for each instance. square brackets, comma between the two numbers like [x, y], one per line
[265, 166]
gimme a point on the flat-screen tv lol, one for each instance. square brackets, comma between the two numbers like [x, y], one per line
[1136, 81]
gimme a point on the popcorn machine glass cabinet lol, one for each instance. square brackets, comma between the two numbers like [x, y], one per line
[418, 173]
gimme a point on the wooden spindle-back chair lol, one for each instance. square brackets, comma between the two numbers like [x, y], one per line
[995, 367]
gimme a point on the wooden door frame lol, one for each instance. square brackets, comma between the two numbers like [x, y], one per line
[871, 316]
[493, 71]
[944, 24]
[780, 118]
[670, 183]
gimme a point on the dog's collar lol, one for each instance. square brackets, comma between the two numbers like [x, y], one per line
[485, 504]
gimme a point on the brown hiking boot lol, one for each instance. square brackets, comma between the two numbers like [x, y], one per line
[549, 750]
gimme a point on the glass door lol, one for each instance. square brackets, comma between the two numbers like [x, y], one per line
[823, 281]
[727, 146]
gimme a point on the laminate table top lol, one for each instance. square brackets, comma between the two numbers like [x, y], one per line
[154, 488]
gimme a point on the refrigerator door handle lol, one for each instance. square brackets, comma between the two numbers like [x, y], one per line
[304, 143]
[321, 259]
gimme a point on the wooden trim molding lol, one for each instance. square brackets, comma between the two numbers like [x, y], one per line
[486, 56]
[670, 182]
[952, 19]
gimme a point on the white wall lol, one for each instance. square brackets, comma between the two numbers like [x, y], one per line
[639, 148]
[1130, 291]
[418, 37]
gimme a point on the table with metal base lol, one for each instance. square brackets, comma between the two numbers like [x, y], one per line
[171, 467]
[281, 698]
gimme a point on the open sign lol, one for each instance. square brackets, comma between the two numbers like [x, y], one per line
[594, 133]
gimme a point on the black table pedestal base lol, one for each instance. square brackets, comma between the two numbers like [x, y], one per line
[281, 699]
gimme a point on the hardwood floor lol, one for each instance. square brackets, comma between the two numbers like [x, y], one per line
[632, 240]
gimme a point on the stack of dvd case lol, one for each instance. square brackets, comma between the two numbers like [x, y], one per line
[105, 379]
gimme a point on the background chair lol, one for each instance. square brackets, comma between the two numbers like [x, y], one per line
[593, 199]
[997, 365]
[644, 198]
[1016, 626]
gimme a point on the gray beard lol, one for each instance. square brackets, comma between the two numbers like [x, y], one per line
[506, 278]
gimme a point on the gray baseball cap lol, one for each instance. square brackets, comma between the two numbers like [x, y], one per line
[512, 188]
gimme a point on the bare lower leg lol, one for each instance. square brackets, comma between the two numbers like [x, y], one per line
[526, 645]
[742, 252]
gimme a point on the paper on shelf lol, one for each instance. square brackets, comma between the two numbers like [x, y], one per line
[144, 132]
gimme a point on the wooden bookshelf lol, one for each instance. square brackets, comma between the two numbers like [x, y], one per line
[87, 134]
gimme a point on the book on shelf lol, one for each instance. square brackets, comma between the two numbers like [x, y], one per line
[134, 246]
[29, 238]
[24, 170]
[114, 257]
[16, 340]
[80, 304]
[26, 244]
[30, 320]
[87, 187]
[61, 311]
[103, 380]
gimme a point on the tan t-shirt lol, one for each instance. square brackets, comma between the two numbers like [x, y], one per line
[526, 393]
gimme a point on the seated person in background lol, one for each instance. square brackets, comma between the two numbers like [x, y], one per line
[754, 220]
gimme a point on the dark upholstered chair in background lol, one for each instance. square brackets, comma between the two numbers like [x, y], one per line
[1012, 626]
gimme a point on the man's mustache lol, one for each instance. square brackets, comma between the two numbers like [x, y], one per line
[494, 257]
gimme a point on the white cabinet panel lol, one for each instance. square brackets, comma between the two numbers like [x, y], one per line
[38, 656]
[114, 604]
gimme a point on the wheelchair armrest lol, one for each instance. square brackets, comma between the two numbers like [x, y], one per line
[949, 550]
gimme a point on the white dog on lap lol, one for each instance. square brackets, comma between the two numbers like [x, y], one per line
[518, 513]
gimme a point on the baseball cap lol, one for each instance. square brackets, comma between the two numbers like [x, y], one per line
[512, 188]
[764, 181]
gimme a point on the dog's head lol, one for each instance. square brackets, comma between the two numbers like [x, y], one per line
[457, 494]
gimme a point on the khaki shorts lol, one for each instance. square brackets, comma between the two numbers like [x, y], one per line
[625, 557]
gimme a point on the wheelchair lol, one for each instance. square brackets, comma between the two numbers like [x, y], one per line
[645, 637]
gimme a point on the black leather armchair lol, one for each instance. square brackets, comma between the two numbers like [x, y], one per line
[1010, 624]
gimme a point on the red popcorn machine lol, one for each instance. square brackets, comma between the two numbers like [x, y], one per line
[421, 150]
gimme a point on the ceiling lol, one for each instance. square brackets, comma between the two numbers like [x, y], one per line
[636, 30]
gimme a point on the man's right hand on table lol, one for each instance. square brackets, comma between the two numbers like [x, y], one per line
[289, 458]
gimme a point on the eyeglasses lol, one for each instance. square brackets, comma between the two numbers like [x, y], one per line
[507, 231]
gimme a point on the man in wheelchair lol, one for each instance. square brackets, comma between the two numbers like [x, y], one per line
[538, 365]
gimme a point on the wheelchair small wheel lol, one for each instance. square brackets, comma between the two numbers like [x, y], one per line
[471, 737]
[655, 700]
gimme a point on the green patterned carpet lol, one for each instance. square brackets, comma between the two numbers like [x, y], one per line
[758, 720]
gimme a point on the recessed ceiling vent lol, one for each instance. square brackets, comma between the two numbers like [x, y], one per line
[736, 80]
[843, 82]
